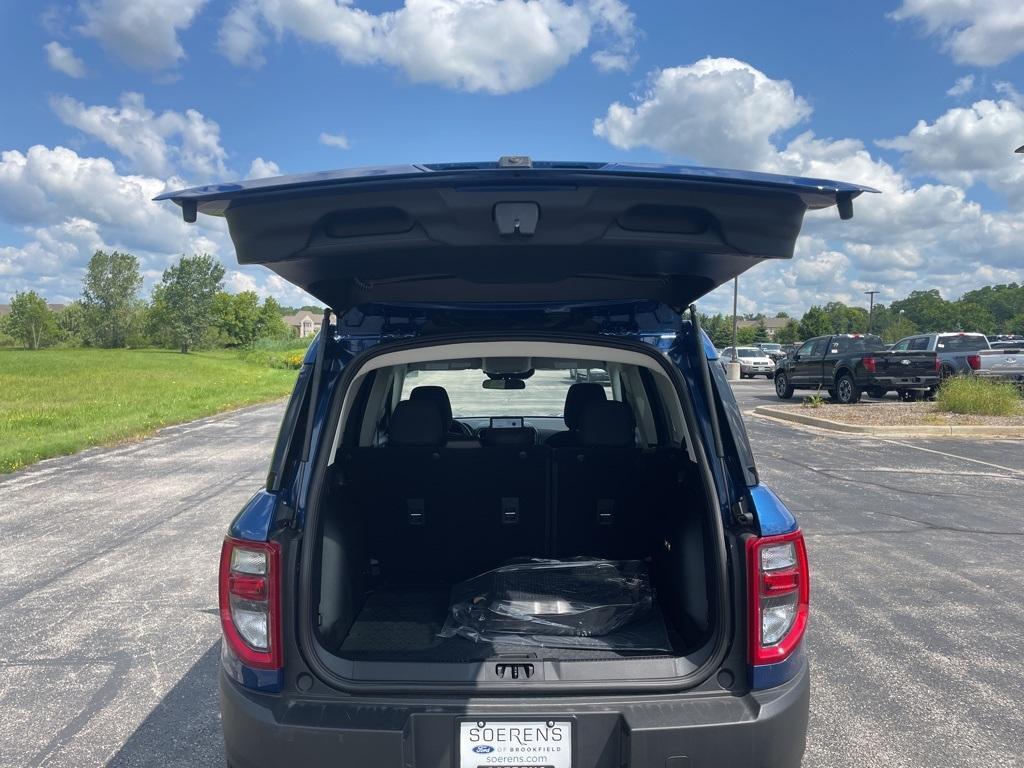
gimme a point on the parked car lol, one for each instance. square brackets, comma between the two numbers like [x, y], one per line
[1005, 344]
[753, 362]
[956, 351]
[773, 350]
[1005, 363]
[847, 365]
[346, 641]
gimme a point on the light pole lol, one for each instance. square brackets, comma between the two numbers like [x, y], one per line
[871, 307]
[734, 366]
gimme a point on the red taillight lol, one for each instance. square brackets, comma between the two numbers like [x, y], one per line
[250, 601]
[870, 364]
[779, 594]
[938, 363]
[974, 361]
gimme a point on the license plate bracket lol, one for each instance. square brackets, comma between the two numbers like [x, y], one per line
[515, 742]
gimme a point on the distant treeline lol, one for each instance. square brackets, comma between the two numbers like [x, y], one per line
[991, 310]
[188, 310]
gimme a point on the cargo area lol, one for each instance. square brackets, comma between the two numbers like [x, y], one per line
[564, 505]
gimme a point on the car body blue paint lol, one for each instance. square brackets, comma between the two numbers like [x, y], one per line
[771, 513]
[265, 680]
[254, 521]
[771, 675]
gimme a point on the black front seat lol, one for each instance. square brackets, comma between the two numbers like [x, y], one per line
[577, 399]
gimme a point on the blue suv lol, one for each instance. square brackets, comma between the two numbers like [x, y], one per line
[464, 557]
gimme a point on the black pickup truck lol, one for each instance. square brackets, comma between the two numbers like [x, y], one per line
[848, 365]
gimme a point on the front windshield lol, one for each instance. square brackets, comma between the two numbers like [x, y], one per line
[750, 353]
[544, 394]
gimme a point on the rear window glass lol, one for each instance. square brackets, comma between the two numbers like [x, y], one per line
[544, 394]
[962, 343]
[863, 344]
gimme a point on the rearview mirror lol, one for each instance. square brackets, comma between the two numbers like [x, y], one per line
[504, 384]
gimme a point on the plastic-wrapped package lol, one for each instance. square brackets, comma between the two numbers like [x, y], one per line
[578, 603]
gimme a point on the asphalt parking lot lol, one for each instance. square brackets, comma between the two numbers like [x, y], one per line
[109, 632]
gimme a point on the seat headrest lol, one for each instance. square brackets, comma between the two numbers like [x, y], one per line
[608, 422]
[416, 423]
[439, 397]
[577, 398]
[518, 436]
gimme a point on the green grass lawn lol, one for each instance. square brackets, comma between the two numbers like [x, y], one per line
[58, 401]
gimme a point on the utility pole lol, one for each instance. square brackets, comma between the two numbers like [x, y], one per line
[734, 366]
[871, 307]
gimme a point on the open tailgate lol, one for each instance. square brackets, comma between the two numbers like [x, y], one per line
[525, 231]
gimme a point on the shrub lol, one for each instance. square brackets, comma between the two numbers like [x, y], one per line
[970, 394]
[277, 352]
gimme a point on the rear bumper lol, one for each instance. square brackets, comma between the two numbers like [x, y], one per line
[904, 382]
[765, 728]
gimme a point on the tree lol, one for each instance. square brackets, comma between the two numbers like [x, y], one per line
[927, 310]
[789, 333]
[271, 320]
[241, 320]
[110, 297]
[973, 317]
[71, 324]
[897, 328]
[718, 328]
[31, 322]
[183, 299]
[815, 322]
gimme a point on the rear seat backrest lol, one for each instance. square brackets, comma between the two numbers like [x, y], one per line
[398, 490]
[599, 488]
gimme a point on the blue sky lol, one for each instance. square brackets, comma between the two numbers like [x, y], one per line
[113, 100]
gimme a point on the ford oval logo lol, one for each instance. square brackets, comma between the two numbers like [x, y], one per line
[483, 749]
[904, 362]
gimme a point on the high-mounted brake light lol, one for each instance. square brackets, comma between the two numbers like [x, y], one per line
[779, 594]
[250, 601]
[974, 361]
[870, 365]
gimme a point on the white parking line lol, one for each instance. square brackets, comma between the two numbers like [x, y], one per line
[1011, 470]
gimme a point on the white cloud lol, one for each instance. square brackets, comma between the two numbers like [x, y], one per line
[143, 33]
[967, 145]
[63, 59]
[961, 87]
[914, 235]
[980, 32]
[240, 38]
[67, 206]
[262, 169]
[146, 138]
[723, 111]
[338, 140]
[494, 46]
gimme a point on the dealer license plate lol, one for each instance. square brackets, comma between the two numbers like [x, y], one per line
[515, 743]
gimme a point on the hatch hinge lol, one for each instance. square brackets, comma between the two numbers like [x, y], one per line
[741, 514]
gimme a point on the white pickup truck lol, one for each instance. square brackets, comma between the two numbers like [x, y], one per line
[1005, 364]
